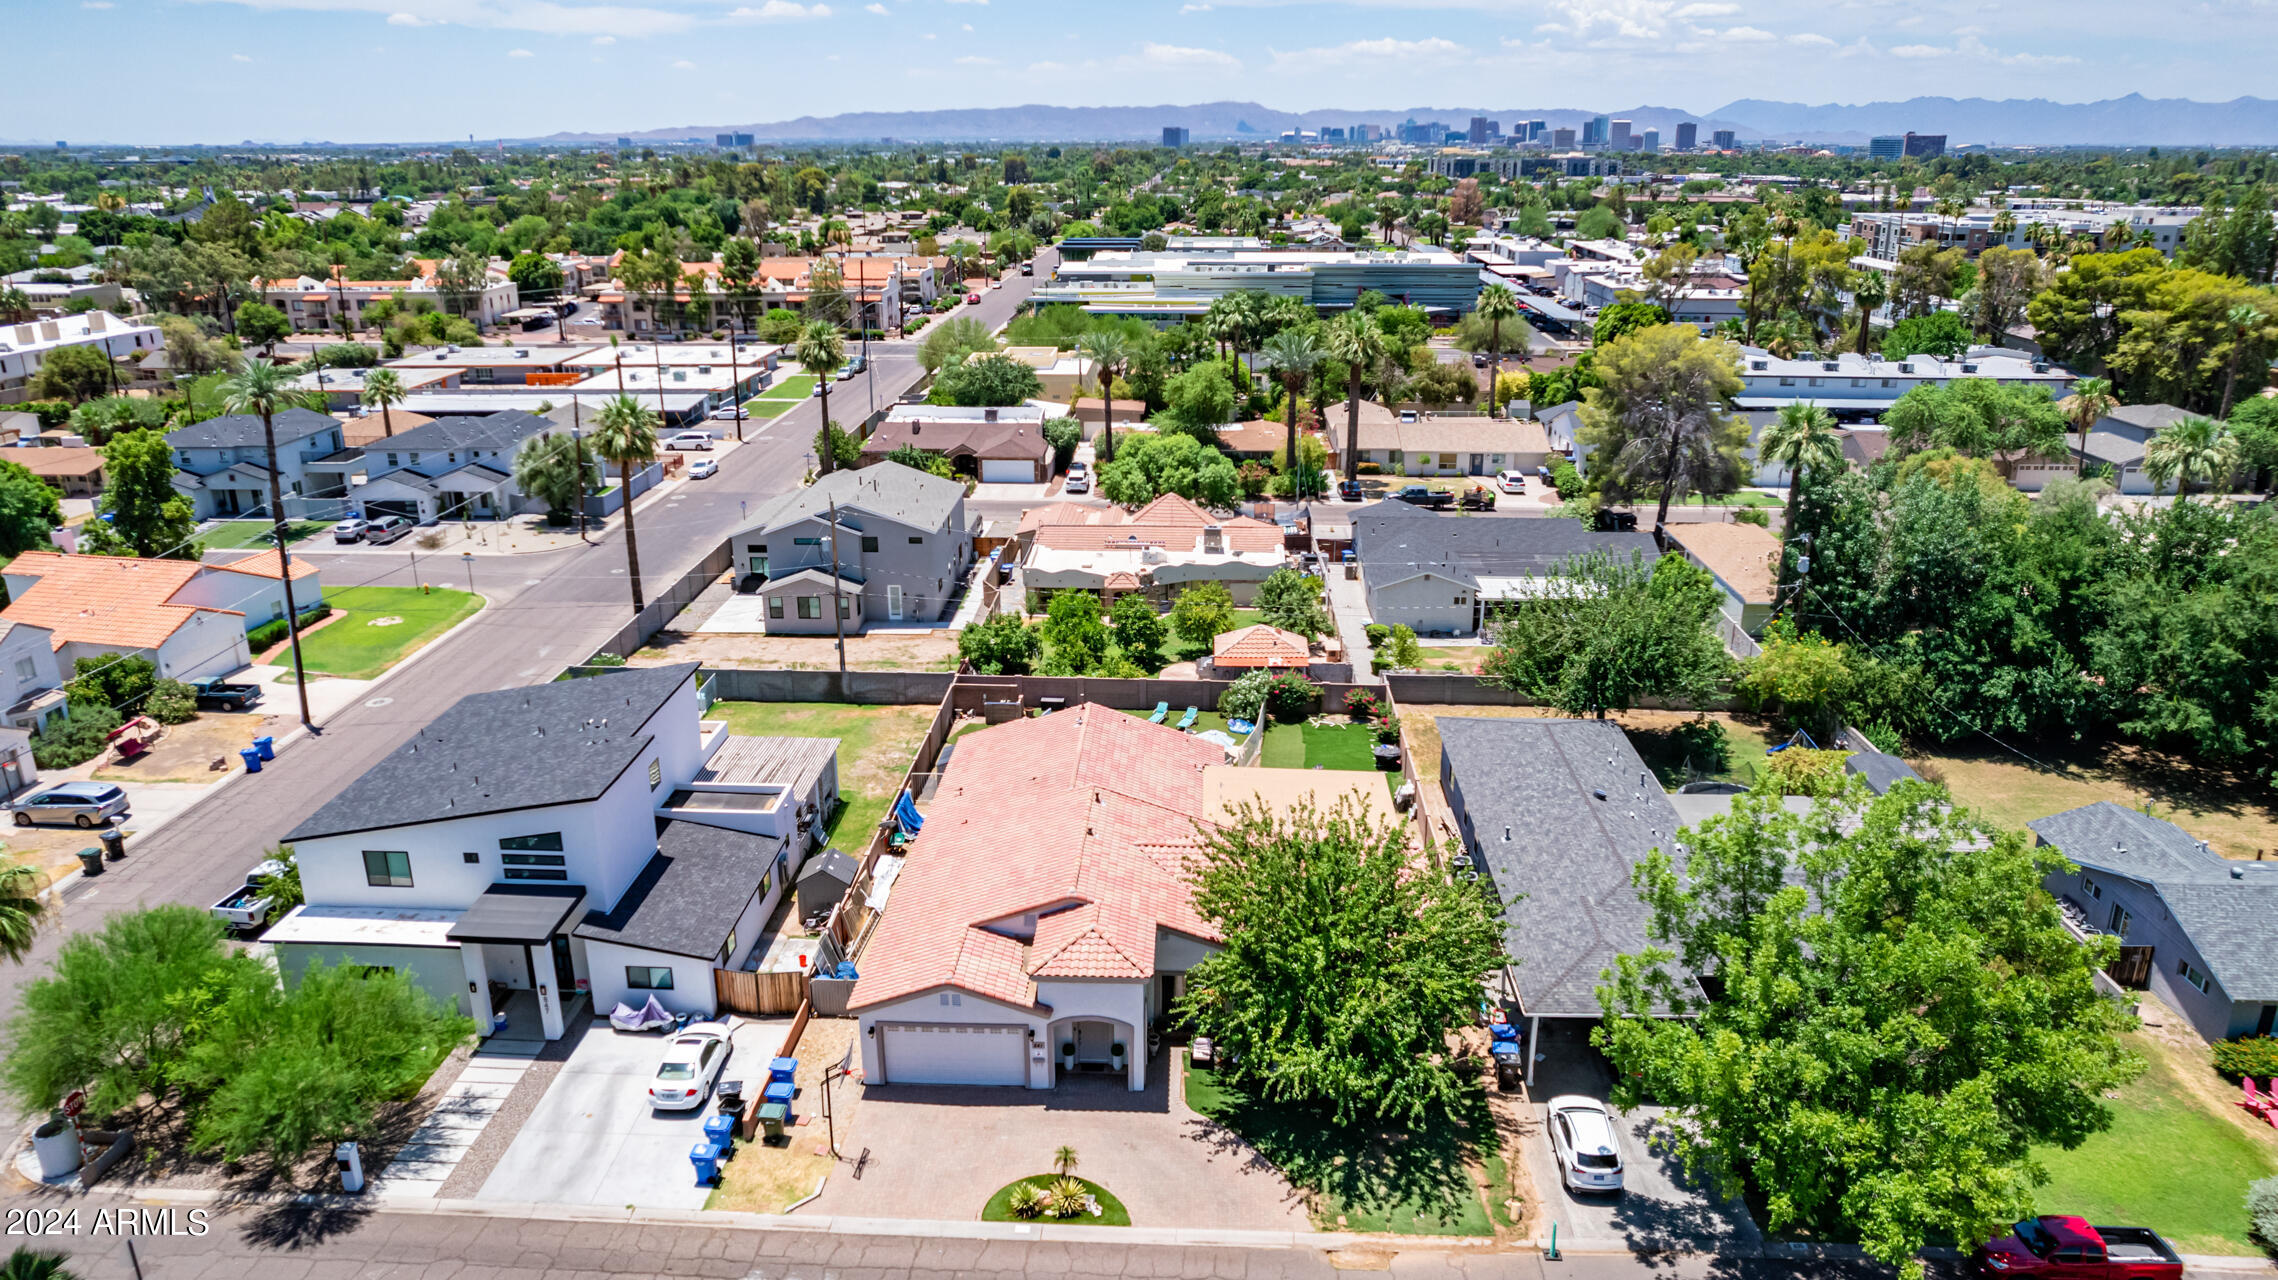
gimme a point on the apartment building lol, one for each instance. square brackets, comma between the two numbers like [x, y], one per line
[25, 347]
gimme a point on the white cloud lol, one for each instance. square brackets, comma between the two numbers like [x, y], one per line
[780, 11]
[1706, 11]
[1748, 35]
[1919, 51]
[1809, 38]
[683, 64]
[239, 57]
[1194, 8]
[878, 9]
[550, 17]
[1171, 55]
[520, 53]
[928, 36]
[968, 1]
[1383, 49]
[407, 20]
[604, 39]
[975, 60]
[968, 27]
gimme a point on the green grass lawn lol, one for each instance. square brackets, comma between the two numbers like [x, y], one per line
[360, 642]
[2168, 1163]
[1744, 498]
[1411, 1182]
[1111, 1210]
[249, 535]
[1305, 746]
[797, 386]
[764, 408]
[875, 747]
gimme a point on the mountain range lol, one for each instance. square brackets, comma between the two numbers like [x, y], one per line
[2132, 120]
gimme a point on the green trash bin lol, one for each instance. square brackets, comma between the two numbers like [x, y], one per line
[772, 1117]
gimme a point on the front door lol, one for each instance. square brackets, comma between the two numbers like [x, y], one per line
[894, 601]
[565, 973]
[1092, 1041]
[2268, 1021]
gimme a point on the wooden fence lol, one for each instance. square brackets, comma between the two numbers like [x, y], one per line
[739, 991]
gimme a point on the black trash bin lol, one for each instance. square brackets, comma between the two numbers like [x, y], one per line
[731, 1096]
[91, 861]
[114, 843]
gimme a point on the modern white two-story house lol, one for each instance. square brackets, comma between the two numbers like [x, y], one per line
[589, 837]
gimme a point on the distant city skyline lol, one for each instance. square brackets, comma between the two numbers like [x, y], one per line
[383, 70]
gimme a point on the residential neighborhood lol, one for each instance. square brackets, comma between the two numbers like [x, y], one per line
[1189, 689]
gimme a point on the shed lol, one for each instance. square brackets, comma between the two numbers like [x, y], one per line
[825, 880]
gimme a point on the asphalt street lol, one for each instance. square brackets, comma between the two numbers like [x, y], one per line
[543, 611]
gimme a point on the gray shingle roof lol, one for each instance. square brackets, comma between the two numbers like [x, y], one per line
[1397, 539]
[690, 894]
[504, 432]
[886, 489]
[1569, 852]
[512, 749]
[2228, 909]
[1881, 770]
[240, 430]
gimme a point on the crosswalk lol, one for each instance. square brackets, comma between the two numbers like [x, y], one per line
[427, 1161]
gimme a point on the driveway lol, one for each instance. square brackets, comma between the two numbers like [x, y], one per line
[594, 1139]
[1659, 1209]
[1169, 1166]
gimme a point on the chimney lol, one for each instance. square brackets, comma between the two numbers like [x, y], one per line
[1213, 540]
[988, 415]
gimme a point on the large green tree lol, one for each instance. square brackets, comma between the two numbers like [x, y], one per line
[1347, 962]
[1149, 466]
[1895, 1016]
[1979, 418]
[1604, 632]
[29, 510]
[74, 374]
[985, 379]
[1657, 426]
[1291, 599]
[147, 515]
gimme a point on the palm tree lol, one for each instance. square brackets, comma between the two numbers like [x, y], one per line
[2190, 451]
[1870, 290]
[2090, 400]
[1801, 438]
[821, 349]
[1354, 339]
[20, 909]
[259, 387]
[35, 1264]
[1496, 304]
[2243, 320]
[1064, 1160]
[1293, 355]
[383, 388]
[626, 434]
[1109, 353]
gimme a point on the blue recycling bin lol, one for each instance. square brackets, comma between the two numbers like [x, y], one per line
[782, 1069]
[779, 1091]
[720, 1131]
[706, 1158]
[267, 746]
[251, 758]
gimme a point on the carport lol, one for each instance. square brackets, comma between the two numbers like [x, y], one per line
[520, 922]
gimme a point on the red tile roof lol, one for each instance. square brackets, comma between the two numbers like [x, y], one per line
[114, 601]
[1105, 806]
[263, 564]
[1171, 522]
[1259, 646]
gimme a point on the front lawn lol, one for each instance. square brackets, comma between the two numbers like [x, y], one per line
[798, 386]
[1744, 498]
[1409, 1182]
[875, 747]
[763, 409]
[255, 535]
[2177, 1157]
[374, 628]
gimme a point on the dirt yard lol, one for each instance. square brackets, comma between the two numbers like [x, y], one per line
[769, 1179]
[2233, 813]
[186, 752]
[880, 651]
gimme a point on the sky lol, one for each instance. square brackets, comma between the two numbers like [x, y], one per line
[223, 71]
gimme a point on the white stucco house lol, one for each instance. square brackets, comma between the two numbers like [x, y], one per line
[188, 617]
[589, 838]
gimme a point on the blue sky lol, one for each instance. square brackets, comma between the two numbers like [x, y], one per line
[366, 70]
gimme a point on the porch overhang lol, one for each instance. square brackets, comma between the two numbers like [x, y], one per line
[518, 914]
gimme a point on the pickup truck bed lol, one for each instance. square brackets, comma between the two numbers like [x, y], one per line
[2136, 1244]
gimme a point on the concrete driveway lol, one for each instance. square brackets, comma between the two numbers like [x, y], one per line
[1659, 1209]
[594, 1139]
[1169, 1166]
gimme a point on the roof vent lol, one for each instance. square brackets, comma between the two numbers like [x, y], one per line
[1599, 792]
[1906, 366]
[1969, 368]
[521, 352]
[1828, 365]
[2238, 873]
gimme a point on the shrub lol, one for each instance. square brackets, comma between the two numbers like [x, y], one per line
[1704, 744]
[2262, 1212]
[1289, 697]
[1564, 478]
[1004, 645]
[1883, 738]
[1069, 1198]
[271, 634]
[2248, 1056]
[1800, 771]
[1752, 515]
[1026, 1201]
[75, 739]
[1387, 728]
[1360, 704]
[110, 681]
[605, 659]
[1376, 632]
[1368, 469]
[172, 702]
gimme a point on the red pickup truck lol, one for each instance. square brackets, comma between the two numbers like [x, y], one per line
[2051, 1247]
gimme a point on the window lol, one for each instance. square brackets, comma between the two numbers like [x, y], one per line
[392, 461]
[869, 543]
[532, 859]
[917, 542]
[656, 773]
[471, 857]
[551, 842]
[775, 606]
[806, 542]
[532, 873]
[389, 869]
[27, 670]
[760, 548]
[810, 606]
[2190, 973]
[644, 977]
[845, 604]
[2094, 890]
[1787, 382]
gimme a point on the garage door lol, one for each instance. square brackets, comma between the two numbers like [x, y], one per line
[1008, 471]
[954, 1053]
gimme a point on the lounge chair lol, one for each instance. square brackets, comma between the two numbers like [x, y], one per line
[1162, 712]
[1187, 721]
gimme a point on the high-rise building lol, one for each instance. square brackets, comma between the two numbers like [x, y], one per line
[623, 143]
[1174, 135]
[1888, 148]
[1925, 146]
[1483, 130]
[1619, 138]
[1650, 142]
[1688, 136]
[1593, 133]
[1332, 133]
[731, 139]
[1723, 139]
[1368, 133]
[1562, 139]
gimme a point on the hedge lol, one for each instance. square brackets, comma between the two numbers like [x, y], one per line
[2248, 1056]
[269, 634]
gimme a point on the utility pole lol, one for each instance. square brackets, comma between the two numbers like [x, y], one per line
[577, 455]
[838, 598]
[736, 386]
[285, 567]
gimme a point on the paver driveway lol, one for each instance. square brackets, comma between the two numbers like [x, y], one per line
[939, 1151]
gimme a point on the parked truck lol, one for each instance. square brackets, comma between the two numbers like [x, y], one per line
[2060, 1248]
[219, 694]
[247, 908]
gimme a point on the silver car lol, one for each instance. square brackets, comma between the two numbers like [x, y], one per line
[1587, 1142]
[82, 804]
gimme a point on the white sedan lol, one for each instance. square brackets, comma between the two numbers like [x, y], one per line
[703, 469]
[691, 1066]
[1587, 1142]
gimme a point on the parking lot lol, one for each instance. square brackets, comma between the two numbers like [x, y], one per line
[594, 1138]
[1659, 1208]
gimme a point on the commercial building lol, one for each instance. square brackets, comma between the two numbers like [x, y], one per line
[1562, 139]
[1852, 385]
[25, 347]
[1483, 130]
[1594, 132]
[1723, 139]
[1171, 283]
[732, 140]
[1924, 146]
[1891, 147]
[1174, 135]
[1619, 139]
[1688, 135]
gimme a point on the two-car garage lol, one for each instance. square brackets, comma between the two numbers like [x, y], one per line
[954, 1053]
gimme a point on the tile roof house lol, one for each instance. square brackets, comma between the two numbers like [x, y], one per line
[903, 543]
[992, 445]
[1005, 961]
[1443, 573]
[1158, 549]
[1257, 648]
[75, 472]
[188, 617]
[1435, 446]
[1744, 559]
[2198, 929]
[587, 836]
